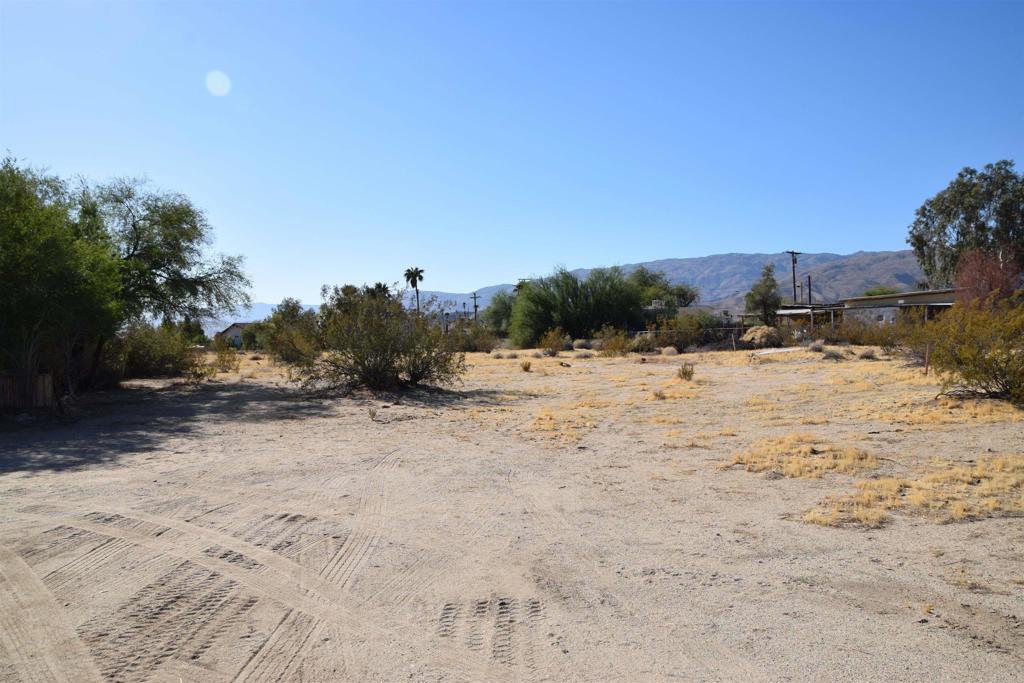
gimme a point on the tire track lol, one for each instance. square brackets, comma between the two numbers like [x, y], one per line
[34, 632]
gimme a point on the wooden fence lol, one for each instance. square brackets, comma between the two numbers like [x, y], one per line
[19, 393]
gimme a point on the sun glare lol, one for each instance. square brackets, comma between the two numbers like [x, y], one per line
[218, 83]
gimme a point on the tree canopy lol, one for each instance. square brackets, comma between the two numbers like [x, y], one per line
[83, 263]
[978, 210]
[764, 298]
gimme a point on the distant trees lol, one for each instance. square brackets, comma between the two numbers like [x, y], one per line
[978, 211]
[655, 286]
[81, 264]
[498, 314]
[579, 307]
[764, 298]
[413, 278]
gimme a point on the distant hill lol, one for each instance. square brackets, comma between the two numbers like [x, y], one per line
[723, 279]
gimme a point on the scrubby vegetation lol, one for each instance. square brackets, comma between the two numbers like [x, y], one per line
[369, 339]
[979, 349]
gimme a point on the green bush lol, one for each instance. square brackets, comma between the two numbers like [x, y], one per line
[979, 349]
[155, 351]
[371, 340]
[290, 334]
[467, 336]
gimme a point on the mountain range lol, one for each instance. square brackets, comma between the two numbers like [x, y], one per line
[723, 279]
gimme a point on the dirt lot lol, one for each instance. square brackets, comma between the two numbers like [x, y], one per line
[573, 523]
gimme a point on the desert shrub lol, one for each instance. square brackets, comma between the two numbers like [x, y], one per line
[816, 346]
[670, 351]
[612, 342]
[372, 341]
[979, 349]
[468, 336]
[498, 356]
[290, 334]
[427, 355]
[498, 313]
[868, 354]
[536, 354]
[685, 372]
[155, 351]
[583, 355]
[512, 354]
[226, 359]
[525, 366]
[645, 342]
[579, 344]
[831, 354]
[555, 340]
[761, 337]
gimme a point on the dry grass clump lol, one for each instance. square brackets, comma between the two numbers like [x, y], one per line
[832, 354]
[802, 455]
[584, 355]
[670, 351]
[565, 423]
[525, 366]
[761, 337]
[990, 487]
[817, 346]
[868, 354]
[685, 372]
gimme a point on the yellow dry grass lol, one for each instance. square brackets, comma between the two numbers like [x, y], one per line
[802, 455]
[951, 492]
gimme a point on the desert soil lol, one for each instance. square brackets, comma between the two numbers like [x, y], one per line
[562, 524]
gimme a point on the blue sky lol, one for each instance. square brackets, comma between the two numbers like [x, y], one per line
[489, 141]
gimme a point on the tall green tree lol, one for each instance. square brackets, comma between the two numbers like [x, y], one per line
[978, 210]
[579, 307]
[161, 240]
[498, 313]
[764, 298]
[413, 278]
[61, 284]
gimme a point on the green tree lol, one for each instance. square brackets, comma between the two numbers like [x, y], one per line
[160, 239]
[413, 278]
[978, 210]
[498, 313]
[656, 286]
[579, 307]
[764, 298]
[60, 285]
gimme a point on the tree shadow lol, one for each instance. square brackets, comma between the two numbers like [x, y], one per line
[130, 421]
[449, 399]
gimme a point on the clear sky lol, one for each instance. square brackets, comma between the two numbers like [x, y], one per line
[487, 141]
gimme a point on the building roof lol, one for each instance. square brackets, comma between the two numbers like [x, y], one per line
[932, 297]
[234, 325]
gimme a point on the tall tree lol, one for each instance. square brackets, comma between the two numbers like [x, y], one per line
[979, 210]
[413, 278]
[764, 298]
[60, 286]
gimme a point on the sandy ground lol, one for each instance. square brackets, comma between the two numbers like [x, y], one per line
[563, 524]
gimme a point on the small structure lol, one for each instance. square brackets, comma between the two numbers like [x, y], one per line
[232, 334]
[883, 309]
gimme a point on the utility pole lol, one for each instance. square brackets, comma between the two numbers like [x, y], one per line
[792, 256]
[809, 297]
[475, 298]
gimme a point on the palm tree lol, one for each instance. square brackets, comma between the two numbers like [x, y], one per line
[413, 278]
